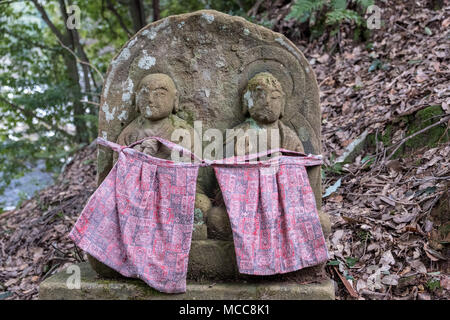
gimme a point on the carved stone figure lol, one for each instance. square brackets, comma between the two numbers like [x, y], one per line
[215, 64]
[264, 101]
[156, 100]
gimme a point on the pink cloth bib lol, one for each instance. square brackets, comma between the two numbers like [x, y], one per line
[273, 215]
[140, 219]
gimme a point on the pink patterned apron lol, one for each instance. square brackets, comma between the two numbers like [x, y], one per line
[139, 220]
[273, 214]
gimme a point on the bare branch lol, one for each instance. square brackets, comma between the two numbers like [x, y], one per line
[111, 7]
[91, 102]
[47, 20]
[81, 61]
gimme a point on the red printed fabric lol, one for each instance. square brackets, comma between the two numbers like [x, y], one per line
[139, 220]
[273, 215]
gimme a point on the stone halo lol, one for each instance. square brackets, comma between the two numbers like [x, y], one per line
[210, 56]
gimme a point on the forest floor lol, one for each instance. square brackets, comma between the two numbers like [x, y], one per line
[390, 214]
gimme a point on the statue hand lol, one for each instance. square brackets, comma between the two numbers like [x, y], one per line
[150, 146]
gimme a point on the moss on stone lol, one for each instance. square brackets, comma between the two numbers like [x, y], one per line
[414, 123]
[253, 124]
[265, 79]
[385, 137]
[421, 120]
[186, 115]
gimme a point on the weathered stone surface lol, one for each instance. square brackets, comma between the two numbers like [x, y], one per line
[213, 259]
[325, 222]
[218, 223]
[200, 232]
[210, 56]
[203, 203]
[103, 269]
[95, 288]
[216, 259]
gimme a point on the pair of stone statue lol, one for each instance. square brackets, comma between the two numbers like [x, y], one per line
[227, 73]
[157, 100]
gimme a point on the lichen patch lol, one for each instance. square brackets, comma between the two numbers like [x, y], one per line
[208, 17]
[147, 61]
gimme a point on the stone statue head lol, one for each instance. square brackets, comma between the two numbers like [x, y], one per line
[156, 96]
[264, 98]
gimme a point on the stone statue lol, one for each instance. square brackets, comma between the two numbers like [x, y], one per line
[156, 100]
[264, 100]
[209, 67]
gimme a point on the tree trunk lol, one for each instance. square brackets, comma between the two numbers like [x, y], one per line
[81, 130]
[137, 14]
[67, 39]
[156, 10]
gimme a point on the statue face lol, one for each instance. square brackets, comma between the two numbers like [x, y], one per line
[264, 98]
[156, 96]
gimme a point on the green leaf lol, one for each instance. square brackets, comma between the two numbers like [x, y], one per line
[369, 159]
[333, 263]
[339, 4]
[376, 64]
[301, 10]
[351, 261]
[433, 284]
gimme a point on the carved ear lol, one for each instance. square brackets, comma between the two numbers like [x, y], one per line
[136, 108]
[244, 104]
[282, 108]
[176, 103]
[244, 107]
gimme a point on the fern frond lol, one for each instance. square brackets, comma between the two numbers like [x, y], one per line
[340, 15]
[338, 4]
[365, 3]
[302, 9]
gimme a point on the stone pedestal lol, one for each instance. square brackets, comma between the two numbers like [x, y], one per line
[95, 288]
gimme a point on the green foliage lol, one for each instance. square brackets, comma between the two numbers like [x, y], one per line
[337, 16]
[23, 197]
[323, 15]
[364, 235]
[433, 284]
[334, 169]
[351, 261]
[302, 10]
[37, 93]
[171, 7]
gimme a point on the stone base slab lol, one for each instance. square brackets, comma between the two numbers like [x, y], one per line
[94, 288]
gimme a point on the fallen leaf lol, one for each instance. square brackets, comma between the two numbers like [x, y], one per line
[387, 258]
[390, 280]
